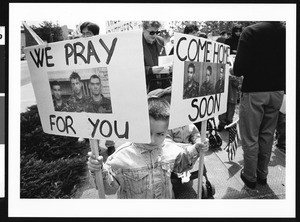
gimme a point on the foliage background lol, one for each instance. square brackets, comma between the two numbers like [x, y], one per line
[51, 166]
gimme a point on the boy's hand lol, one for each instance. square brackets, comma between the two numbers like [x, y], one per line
[202, 146]
[93, 163]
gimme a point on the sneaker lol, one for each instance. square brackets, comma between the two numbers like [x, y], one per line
[248, 183]
[110, 150]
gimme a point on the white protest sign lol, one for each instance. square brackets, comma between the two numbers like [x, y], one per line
[102, 101]
[120, 26]
[197, 91]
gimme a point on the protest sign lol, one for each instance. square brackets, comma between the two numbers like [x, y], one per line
[197, 92]
[70, 77]
[120, 26]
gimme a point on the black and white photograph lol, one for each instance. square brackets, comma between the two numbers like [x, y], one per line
[192, 78]
[116, 109]
[81, 91]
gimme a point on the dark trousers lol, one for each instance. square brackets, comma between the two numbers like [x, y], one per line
[258, 118]
[280, 131]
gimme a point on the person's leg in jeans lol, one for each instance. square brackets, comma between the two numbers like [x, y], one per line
[251, 114]
[266, 132]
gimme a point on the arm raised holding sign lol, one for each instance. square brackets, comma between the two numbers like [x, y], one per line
[142, 171]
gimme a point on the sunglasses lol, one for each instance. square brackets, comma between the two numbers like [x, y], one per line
[153, 32]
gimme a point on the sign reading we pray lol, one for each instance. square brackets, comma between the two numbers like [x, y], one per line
[85, 87]
[200, 80]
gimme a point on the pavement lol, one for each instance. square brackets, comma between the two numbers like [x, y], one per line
[225, 176]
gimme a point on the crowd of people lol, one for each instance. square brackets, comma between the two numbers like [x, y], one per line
[144, 170]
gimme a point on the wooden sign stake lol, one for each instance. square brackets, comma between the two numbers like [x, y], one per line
[99, 180]
[201, 159]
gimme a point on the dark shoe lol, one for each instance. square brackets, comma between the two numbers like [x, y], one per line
[261, 181]
[248, 183]
[110, 150]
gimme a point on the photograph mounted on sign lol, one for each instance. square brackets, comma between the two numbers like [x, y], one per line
[200, 80]
[81, 87]
[84, 90]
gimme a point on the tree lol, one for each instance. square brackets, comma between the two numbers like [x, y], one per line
[48, 31]
[213, 28]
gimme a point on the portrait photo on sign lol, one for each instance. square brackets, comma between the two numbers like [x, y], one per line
[85, 90]
[208, 79]
[220, 77]
[191, 79]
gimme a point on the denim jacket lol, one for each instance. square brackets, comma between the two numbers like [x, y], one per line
[185, 134]
[136, 172]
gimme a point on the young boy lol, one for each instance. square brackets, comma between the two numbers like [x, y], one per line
[183, 137]
[142, 171]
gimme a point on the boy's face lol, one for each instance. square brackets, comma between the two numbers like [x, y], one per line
[158, 131]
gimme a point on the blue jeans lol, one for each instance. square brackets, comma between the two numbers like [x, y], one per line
[258, 118]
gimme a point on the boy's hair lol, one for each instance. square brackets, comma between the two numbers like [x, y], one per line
[167, 96]
[159, 109]
[91, 27]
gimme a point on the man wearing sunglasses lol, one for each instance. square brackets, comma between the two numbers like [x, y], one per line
[153, 47]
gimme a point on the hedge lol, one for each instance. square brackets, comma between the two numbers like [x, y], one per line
[51, 166]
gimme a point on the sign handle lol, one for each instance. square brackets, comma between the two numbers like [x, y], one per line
[99, 180]
[201, 159]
